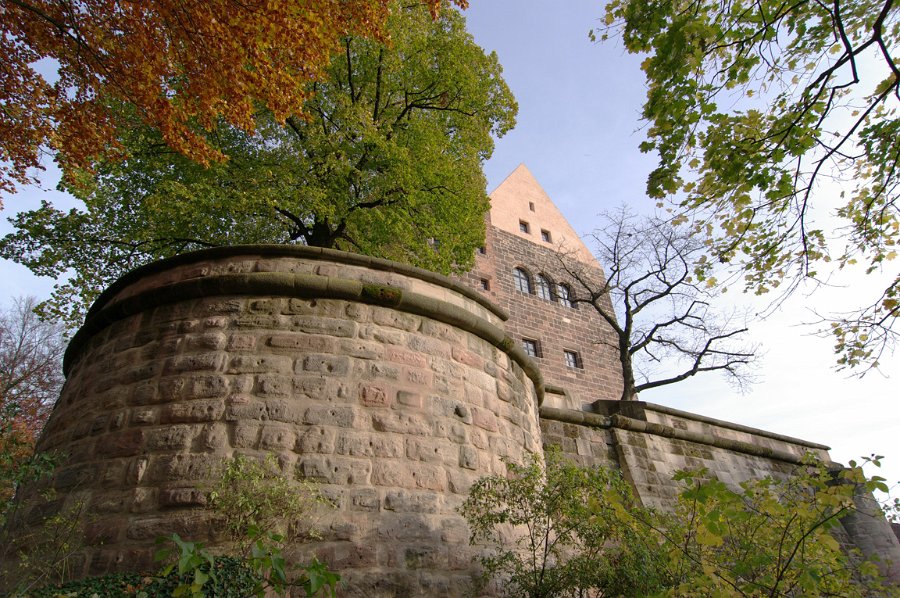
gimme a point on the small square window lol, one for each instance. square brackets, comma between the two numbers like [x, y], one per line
[545, 236]
[523, 226]
[531, 205]
[485, 284]
[532, 347]
[573, 359]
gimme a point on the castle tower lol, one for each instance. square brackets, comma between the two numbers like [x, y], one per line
[521, 268]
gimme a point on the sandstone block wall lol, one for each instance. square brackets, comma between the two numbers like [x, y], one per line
[393, 388]
[557, 328]
[648, 443]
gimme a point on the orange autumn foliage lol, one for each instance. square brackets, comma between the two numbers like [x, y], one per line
[182, 65]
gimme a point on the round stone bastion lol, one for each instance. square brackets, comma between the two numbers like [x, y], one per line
[391, 387]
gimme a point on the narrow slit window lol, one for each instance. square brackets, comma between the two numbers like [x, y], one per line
[531, 205]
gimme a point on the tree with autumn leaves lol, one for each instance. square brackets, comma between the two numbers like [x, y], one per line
[183, 67]
[30, 382]
[383, 158]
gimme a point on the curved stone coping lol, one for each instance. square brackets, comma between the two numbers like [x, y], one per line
[621, 422]
[302, 285]
[721, 423]
[298, 251]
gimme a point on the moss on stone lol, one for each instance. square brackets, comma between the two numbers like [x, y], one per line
[382, 295]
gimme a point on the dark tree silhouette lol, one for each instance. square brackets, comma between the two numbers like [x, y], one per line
[659, 310]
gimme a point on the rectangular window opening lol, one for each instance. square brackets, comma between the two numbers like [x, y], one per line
[485, 284]
[531, 205]
[532, 347]
[482, 250]
[573, 359]
[523, 226]
[545, 236]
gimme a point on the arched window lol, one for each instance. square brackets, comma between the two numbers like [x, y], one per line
[544, 288]
[522, 280]
[564, 295]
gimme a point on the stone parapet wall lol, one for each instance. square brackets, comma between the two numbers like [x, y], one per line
[649, 443]
[392, 388]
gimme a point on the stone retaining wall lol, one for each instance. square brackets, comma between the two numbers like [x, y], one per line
[392, 387]
[648, 443]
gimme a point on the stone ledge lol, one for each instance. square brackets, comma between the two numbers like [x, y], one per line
[736, 427]
[594, 420]
[298, 251]
[305, 286]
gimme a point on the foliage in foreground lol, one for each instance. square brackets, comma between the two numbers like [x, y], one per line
[260, 508]
[387, 162]
[30, 382]
[564, 530]
[183, 65]
[776, 126]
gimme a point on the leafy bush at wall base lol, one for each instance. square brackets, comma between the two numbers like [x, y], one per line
[564, 530]
[233, 579]
[561, 530]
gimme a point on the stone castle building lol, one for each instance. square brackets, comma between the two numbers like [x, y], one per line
[394, 388]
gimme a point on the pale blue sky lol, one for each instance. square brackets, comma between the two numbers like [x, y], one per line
[578, 132]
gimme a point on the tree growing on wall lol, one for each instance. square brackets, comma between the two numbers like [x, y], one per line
[777, 130]
[182, 66]
[659, 311]
[385, 160]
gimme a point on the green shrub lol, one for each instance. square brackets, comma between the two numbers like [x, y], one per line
[232, 579]
[563, 530]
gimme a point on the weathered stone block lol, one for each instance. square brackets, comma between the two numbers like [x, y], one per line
[343, 417]
[403, 423]
[328, 326]
[317, 440]
[295, 341]
[274, 385]
[373, 396]
[412, 400]
[365, 499]
[170, 438]
[197, 362]
[125, 443]
[208, 341]
[405, 357]
[334, 365]
[411, 502]
[259, 364]
[182, 497]
[206, 410]
[241, 342]
[276, 438]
